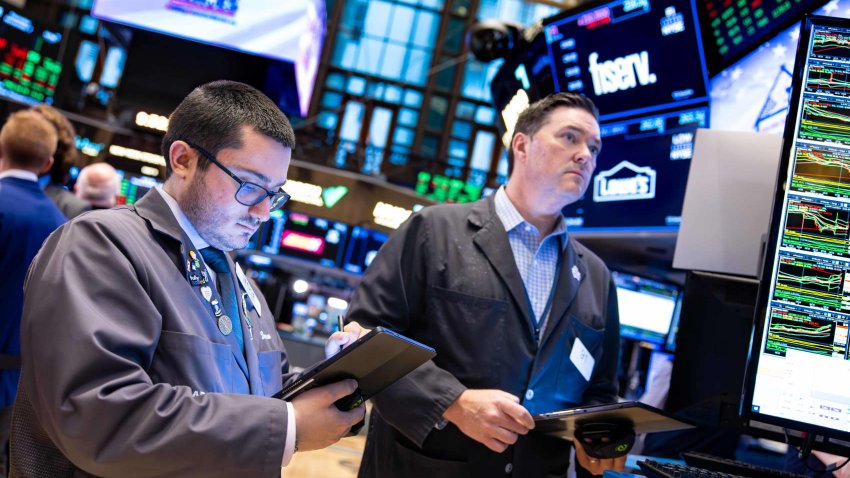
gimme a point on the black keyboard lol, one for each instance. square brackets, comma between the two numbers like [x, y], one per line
[654, 469]
[726, 465]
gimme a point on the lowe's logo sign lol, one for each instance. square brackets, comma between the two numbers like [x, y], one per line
[624, 182]
[621, 73]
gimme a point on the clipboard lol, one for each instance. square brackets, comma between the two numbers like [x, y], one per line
[644, 418]
[376, 360]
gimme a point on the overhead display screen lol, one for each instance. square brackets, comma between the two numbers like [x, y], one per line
[630, 56]
[734, 28]
[641, 174]
[292, 31]
[29, 59]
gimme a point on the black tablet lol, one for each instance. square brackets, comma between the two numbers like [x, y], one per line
[644, 418]
[375, 360]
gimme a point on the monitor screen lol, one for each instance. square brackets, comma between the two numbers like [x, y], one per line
[641, 174]
[29, 58]
[292, 31]
[646, 308]
[305, 237]
[732, 29]
[133, 187]
[753, 93]
[798, 370]
[630, 56]
[363, 246]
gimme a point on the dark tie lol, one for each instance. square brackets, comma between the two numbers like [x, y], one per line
[227, 289]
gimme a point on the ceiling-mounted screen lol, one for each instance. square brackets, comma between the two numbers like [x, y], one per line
[630, 56]
[291, 31]
[30, 62]
[734, 28]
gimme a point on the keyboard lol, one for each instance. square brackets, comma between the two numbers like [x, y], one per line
[654, 469]
[726, 465]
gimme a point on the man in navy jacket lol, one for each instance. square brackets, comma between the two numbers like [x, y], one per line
[27, 217]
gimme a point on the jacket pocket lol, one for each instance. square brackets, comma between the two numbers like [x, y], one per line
[185, 359]
[413, 464]
[271, 372]
[468, 332]
[571, 382]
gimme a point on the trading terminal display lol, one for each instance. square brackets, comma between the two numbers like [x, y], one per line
[319, 240]
[734, 27]
[803, 352]
[640, 61]
[133, 187]
[29, 66]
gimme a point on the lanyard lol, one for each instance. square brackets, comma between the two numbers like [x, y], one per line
[544, 317]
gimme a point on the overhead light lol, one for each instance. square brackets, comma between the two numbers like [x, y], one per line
[337, 303]
[300, 286]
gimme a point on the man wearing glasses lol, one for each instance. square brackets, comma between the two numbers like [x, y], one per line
[146, 350]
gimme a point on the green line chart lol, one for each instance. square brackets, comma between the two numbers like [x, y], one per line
[794, 329]
[828, 79]
[818, 226]
[829, 45]
[825, 119]
[821, 170]
[811, 282]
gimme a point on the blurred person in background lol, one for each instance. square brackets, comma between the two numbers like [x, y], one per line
[27, 217]
[98, 185]
[55, 179]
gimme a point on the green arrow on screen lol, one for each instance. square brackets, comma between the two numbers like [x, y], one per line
[332, 195]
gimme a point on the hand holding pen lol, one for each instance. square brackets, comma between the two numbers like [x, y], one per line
[346, 335]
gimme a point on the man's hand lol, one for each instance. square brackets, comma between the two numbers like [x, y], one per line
[491, 417]
[597, 465]
[318, 423]
[339, 340]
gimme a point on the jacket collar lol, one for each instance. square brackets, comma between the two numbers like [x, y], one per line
[492, 239]
[153, 208]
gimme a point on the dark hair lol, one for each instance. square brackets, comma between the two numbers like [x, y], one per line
[212, 116]
[66, 147]
[535, 116]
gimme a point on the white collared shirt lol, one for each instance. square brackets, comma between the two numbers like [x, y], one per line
[20, 174]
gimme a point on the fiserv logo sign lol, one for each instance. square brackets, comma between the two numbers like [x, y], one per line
[624, 182]
[620, 74]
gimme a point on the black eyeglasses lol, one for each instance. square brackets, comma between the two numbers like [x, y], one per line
[248, 194]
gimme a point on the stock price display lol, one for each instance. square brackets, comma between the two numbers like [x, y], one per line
[29, 70]
[736, 26]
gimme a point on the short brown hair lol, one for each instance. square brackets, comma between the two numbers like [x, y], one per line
[535, 116]
[66, 147]
[27, 140]
[212, 116]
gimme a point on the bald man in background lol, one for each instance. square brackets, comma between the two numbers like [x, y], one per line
[98, 185]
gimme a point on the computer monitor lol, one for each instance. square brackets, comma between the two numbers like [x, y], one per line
[712, 342]
[798, 370]
[133, 186]
[646, 308]
[363, 246]
[727, 203]
[310, 238]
